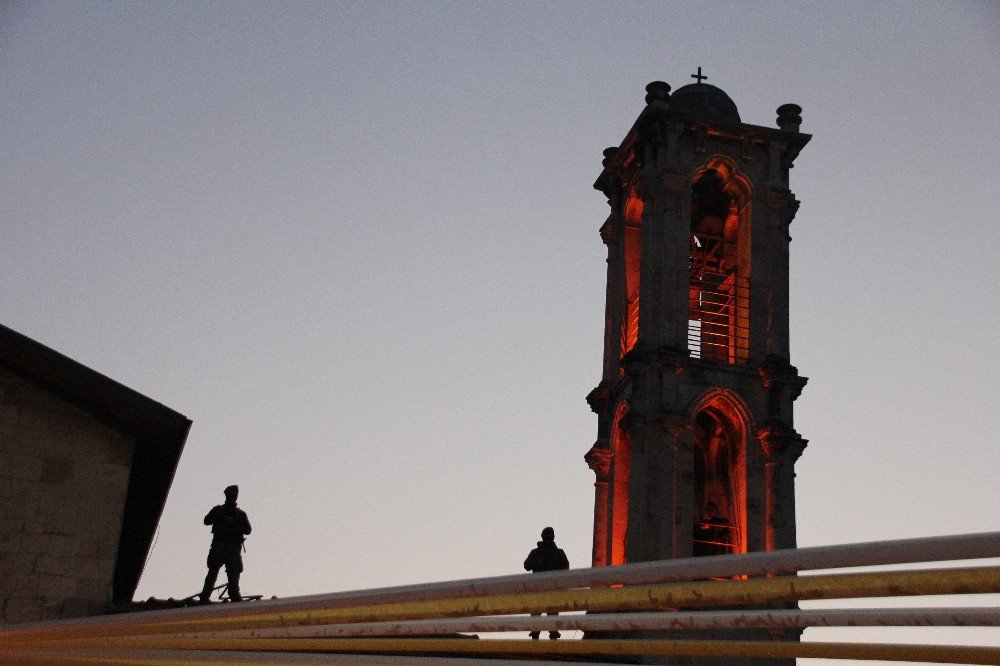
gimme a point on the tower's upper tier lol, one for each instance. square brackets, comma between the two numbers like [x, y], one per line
[674, 130]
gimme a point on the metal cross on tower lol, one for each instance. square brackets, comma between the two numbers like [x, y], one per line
[699, 76]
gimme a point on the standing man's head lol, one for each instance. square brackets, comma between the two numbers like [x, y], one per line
[231, 493]
[548, 534]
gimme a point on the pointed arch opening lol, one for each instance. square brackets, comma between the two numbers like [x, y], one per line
[720, 505]
[718, 297]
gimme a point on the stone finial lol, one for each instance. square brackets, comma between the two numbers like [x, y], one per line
[789, 118]
[658, 94]
[609, 155]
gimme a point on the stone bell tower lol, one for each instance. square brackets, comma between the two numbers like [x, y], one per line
[696, 447]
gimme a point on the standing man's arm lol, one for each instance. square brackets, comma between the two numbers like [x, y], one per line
[210, 518]
[529, 564]
[245, 527]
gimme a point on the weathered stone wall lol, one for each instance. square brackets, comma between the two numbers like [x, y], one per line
[63, 479]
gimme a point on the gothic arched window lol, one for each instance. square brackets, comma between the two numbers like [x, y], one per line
[719, 484]
[718, 296]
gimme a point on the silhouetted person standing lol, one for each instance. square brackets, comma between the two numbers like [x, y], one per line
[546, 557]
[229, 526]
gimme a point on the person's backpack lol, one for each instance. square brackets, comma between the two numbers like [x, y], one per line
[552, 559]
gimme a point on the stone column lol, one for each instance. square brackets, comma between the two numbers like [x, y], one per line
[783, 384]
[599, 460]
[650, 269]
[781, 447]
[780, 207]
[613, 235]
[681, 433]
[664, 265]
[599, 456]
[676, 254]
[660, 488]
[757, 495]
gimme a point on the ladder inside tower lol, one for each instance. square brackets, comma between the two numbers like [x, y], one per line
[713, 535]
[718, 299]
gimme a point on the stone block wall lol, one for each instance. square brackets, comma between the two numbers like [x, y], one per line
[63, 480]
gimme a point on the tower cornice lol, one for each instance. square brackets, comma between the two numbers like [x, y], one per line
[783, 203]
[598, 458]
[657, 129]
[776, 370]
[600, 398]
[780, 443]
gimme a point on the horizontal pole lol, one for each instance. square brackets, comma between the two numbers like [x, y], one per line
[104, 657]
[506, 648]
[654, 597]
[897, 551]
[654, 621]
[740, 592]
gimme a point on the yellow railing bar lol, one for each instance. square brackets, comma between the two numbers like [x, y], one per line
[82, 657]
[506, 648]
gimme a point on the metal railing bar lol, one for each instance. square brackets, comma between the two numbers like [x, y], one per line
[763, 563]
[506, 647]
[655, 621]
[705, 593]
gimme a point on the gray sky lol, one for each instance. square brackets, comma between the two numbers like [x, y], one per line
[357, 244]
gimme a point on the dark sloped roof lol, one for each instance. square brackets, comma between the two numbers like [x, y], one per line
[159, 432]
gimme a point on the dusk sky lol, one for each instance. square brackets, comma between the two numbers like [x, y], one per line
[357, 244]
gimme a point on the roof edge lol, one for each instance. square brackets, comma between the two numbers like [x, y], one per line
[160, 434]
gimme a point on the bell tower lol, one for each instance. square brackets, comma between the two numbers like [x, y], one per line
[696, 444]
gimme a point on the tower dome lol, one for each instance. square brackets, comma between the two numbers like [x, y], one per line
[706, 101]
